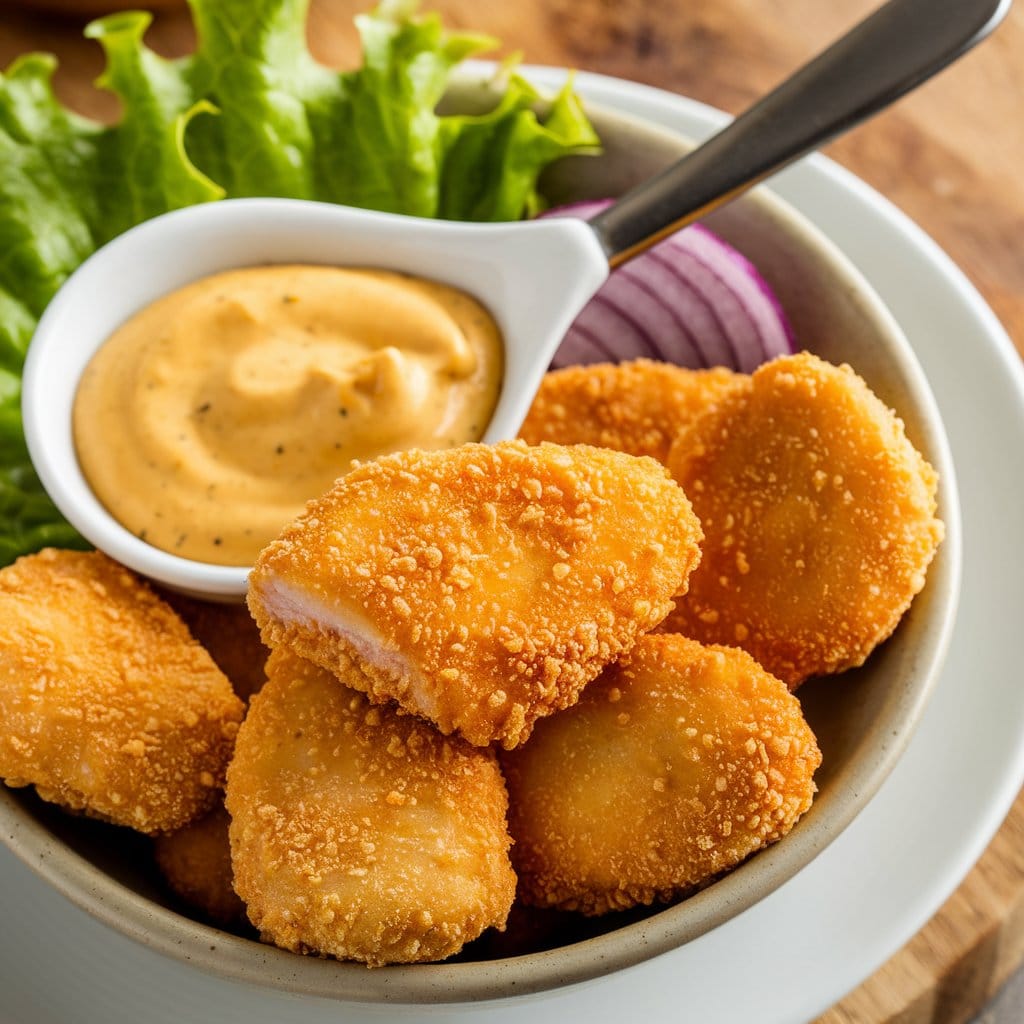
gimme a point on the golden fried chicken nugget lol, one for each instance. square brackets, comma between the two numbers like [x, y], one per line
[675, 765]
[481, 587]
[230, 635]
[361, 833]
[108, 705]
[196, 863]
[818, 514]
[636, 407]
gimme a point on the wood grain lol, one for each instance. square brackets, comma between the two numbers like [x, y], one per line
[949, 156]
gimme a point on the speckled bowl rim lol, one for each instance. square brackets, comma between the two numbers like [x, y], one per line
[247, 961]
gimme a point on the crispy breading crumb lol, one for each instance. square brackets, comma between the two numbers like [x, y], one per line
[819, 518]
[525, 570]
[360, 833]
[647, 794]
[636, 407]
[109, 705]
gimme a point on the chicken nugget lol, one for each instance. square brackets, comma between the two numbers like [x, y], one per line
[480, 587]
[108, 705]
[818, 514]
[636, 407]
[196, 863]
[230, 635]
[674, 766]
[360, 833]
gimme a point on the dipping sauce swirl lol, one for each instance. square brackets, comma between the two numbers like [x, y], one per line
[210, 417]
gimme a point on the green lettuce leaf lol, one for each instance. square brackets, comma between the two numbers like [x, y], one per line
[250, 113]
[491, 162]
[66, 187]
[371, 137]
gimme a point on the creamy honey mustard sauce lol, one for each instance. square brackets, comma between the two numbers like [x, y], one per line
[207, 420]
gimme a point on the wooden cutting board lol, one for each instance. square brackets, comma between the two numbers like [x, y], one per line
[950, 156]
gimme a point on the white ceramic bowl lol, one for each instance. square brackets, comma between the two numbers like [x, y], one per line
[863, 719]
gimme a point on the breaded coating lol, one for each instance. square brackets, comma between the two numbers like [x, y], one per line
[819, 518]
[196, 863]
[230, 635]
[108, 705]
[636, 407]
[481, 587]
[675, 765]
[361, 833]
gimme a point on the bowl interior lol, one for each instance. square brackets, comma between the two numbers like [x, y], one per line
[863, 719]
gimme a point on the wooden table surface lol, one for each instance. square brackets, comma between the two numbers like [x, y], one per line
[950, 156]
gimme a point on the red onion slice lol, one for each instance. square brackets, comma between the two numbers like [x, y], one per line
[692, 300]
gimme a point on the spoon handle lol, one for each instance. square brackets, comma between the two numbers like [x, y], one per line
[892, 51]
